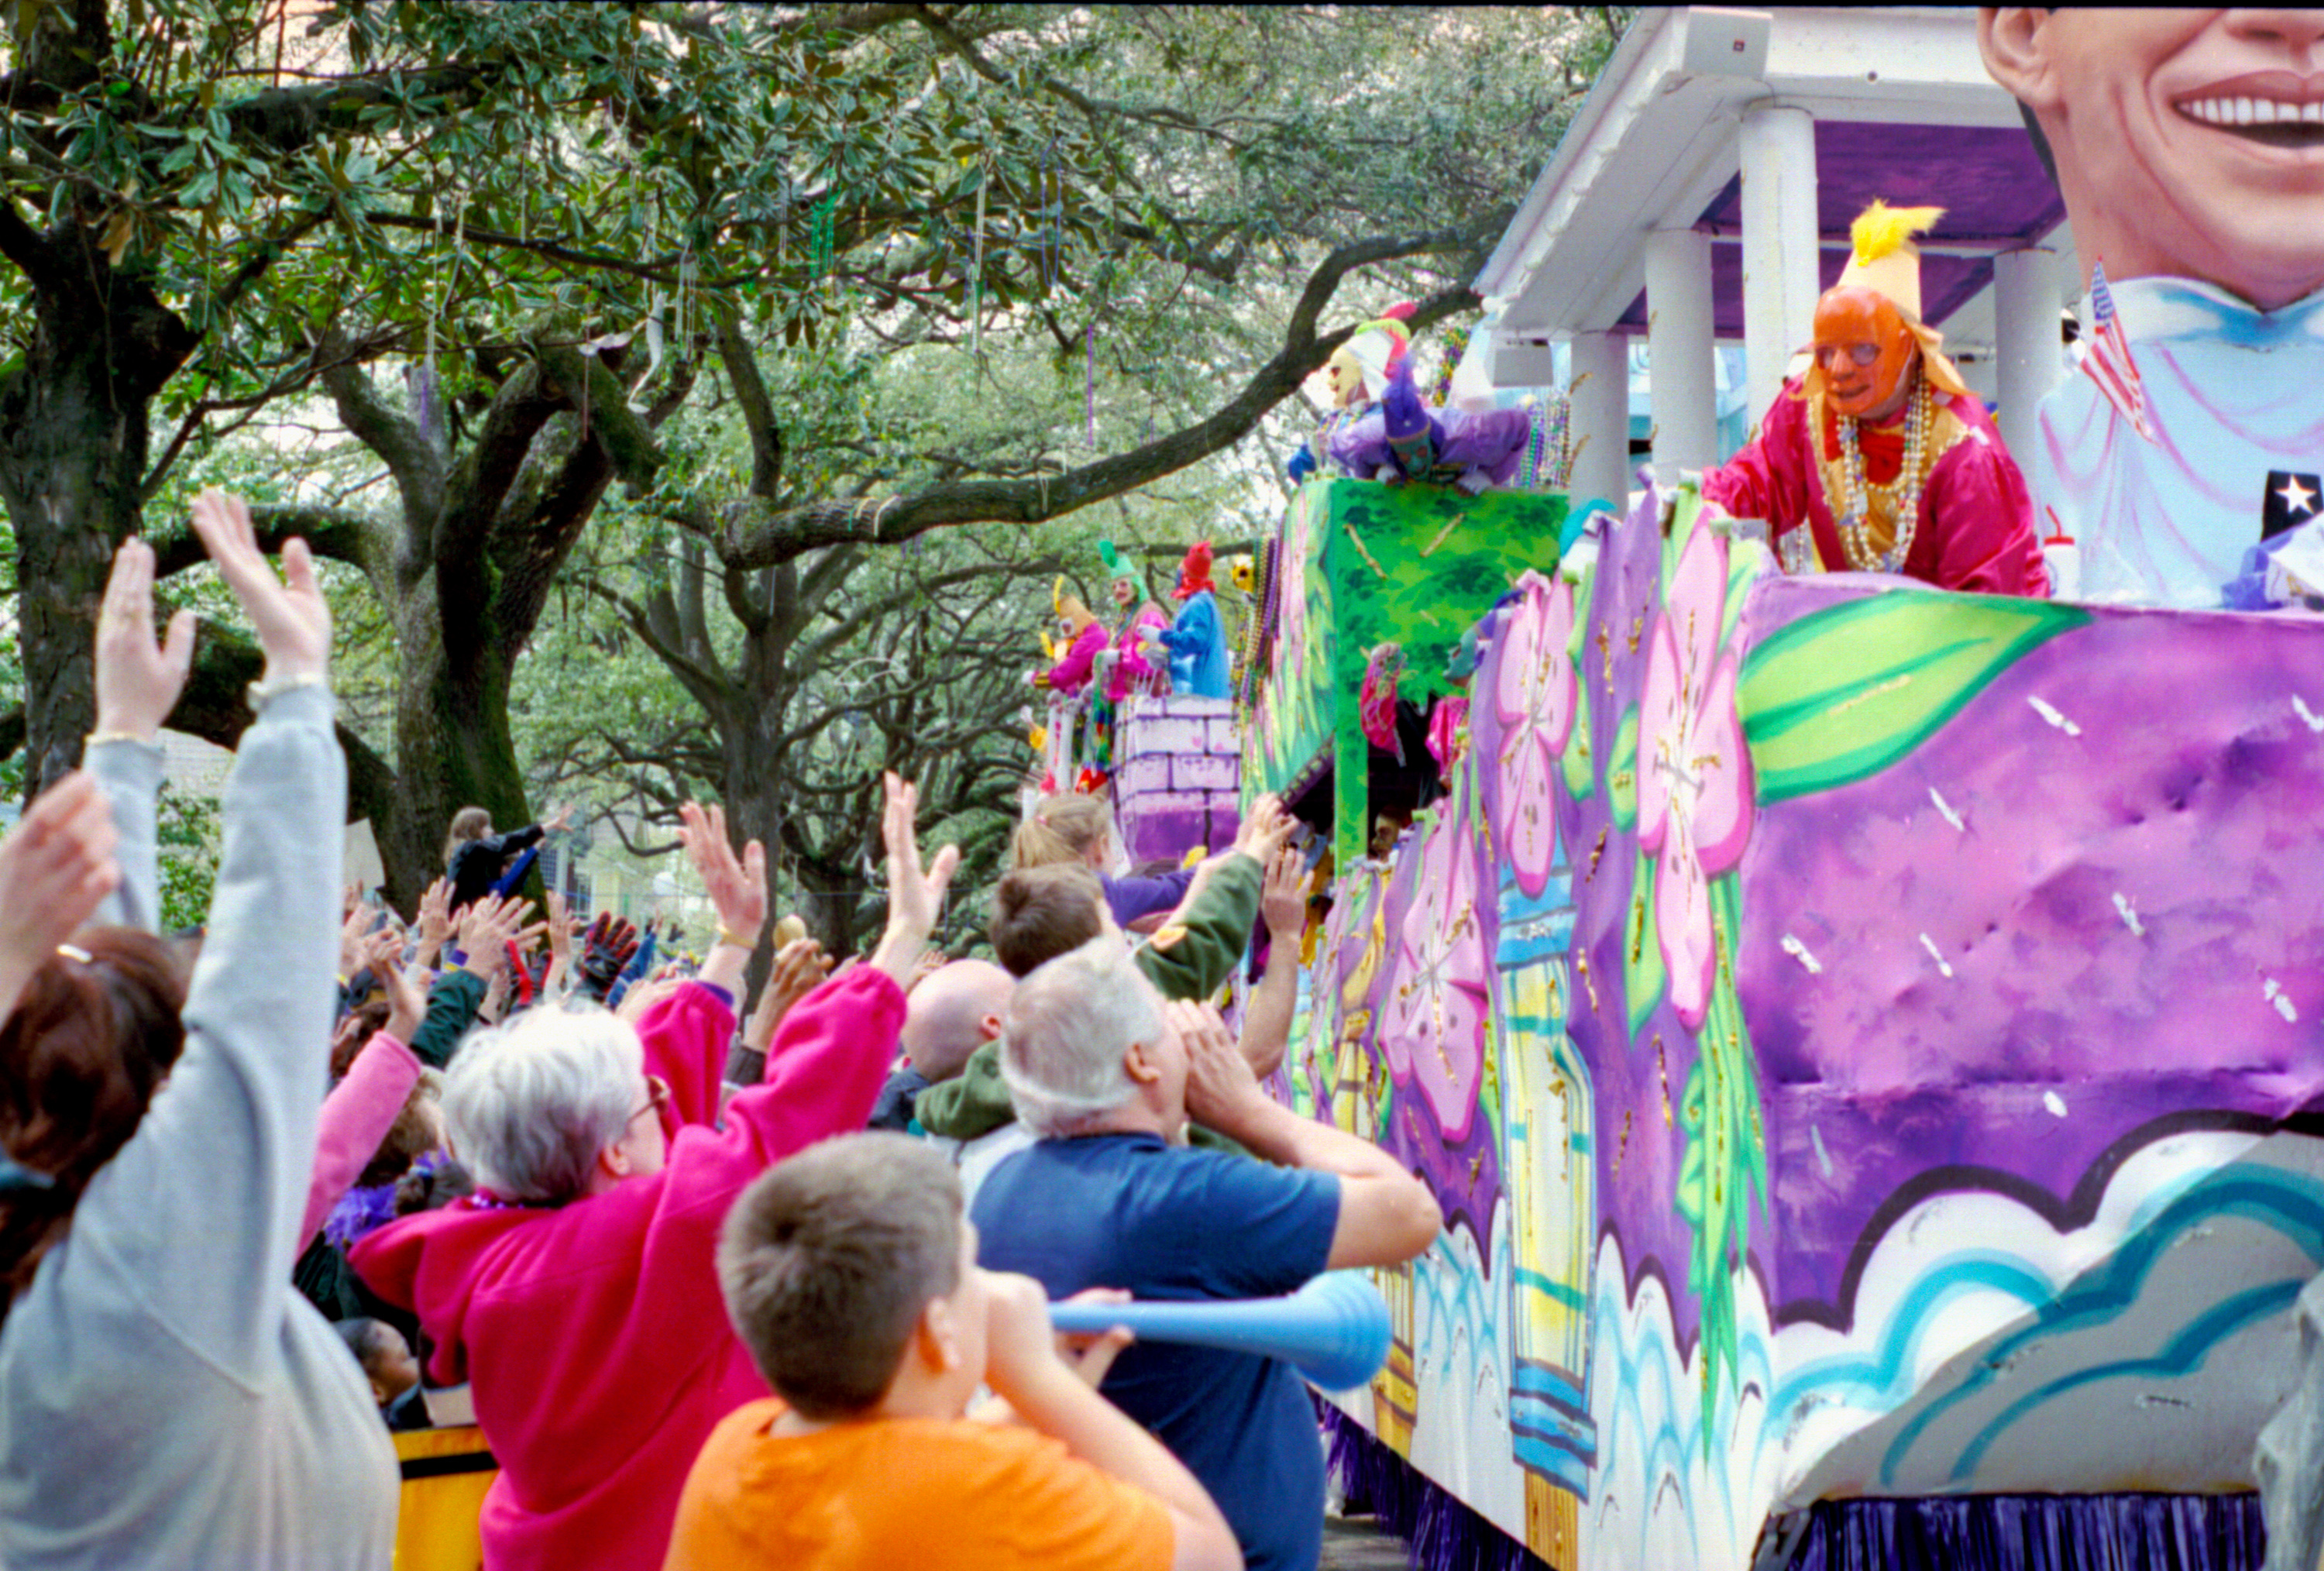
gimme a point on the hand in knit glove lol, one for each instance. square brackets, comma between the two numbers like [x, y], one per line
[606, 949]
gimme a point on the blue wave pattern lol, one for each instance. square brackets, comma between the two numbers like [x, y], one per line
[2288, 1202]
[1643, 1397]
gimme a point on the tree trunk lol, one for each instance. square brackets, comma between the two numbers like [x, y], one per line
[454, 749]
[72, 461]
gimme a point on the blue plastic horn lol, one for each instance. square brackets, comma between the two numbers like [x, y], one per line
[1334, 1330]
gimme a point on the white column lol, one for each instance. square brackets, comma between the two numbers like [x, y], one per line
[1780, 254]
[2026, 298]
[1679, 361]
[1600, 419]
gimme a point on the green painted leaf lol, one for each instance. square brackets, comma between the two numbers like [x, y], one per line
[1579, 767]
[1643, 974]
[1843, 693]
[1622, 772]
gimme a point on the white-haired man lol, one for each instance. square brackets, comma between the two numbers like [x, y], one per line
[1106, 1074]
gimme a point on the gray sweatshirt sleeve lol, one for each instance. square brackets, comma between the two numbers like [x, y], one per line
[130, 775]
[196, 1217]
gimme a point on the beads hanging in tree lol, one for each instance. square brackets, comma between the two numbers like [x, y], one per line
[976, 276]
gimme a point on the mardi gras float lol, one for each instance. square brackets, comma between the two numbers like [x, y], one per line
[1863, 1033]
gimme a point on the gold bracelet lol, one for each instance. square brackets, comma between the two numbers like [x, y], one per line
[99, 738]
[727, 934]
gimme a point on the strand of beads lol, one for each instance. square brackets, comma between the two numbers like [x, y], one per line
[1902, 494]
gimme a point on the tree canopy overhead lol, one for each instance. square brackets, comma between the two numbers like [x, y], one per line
[785, 287]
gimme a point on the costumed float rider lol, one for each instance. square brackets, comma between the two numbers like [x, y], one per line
[1877, 459]
[1132, 671]
[1080, 639]
[1354, 378]
[1379, 428]
[1197, 640]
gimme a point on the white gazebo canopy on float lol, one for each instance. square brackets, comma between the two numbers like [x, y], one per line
[1703, 193]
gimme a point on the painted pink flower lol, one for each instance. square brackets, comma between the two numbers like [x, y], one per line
[1433, 1027]
[1535, 694]
[1694, 774]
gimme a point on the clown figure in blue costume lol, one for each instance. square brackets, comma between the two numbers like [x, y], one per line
[1197, 641]
[2190, 148]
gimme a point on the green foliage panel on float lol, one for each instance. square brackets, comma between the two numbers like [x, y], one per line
[1362, 564]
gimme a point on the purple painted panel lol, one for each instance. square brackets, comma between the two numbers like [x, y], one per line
[2017, 963]
[1204, 773]
[1988, 179]
[1947, 283]
[1163, 828]
[1141, 775]
[1164, 734]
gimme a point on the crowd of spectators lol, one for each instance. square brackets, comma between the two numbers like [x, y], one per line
[717, 1294]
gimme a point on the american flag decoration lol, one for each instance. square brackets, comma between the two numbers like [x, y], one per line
[2107, 359]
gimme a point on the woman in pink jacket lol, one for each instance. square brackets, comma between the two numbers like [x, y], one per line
[577, 1290]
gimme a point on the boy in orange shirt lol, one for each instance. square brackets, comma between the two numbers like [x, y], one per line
[851, 1275]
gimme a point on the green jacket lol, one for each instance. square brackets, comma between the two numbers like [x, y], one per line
[1218, 929]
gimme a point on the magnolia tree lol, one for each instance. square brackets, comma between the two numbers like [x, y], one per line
[793, 288]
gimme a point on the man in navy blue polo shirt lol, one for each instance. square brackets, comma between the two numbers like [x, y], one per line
[1107, 1074]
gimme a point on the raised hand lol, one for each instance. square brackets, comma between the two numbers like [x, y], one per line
[380, 947]
[435, 921]
[1263, 830]
[407, 1001]
[561, 926]
[292, 621]
[606, 950]
[138, 680]
[54, 868]
[1283, 898]
[799, 967]
[914, 894]
[485, 928]
[737, 886]
[1219, 1084]
[352, 941]
[930, 964]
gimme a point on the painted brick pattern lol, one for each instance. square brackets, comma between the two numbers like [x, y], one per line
[1177, 782]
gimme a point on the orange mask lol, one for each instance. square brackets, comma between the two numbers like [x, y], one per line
[1863, 350]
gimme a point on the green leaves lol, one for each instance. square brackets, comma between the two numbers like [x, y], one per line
[1644, 972]
[1843, 693]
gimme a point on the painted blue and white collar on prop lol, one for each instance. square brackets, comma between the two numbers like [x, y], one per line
[2154, 310]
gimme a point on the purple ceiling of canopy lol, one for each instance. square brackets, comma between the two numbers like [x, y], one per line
[1988, 179]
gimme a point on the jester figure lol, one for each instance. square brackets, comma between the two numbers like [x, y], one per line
[1132, 671]
[1879, 458]
[1379, 428]
[1196, 641]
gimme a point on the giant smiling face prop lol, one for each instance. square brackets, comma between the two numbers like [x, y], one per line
[2187, 143]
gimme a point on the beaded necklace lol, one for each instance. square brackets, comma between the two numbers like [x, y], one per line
[1901, 496]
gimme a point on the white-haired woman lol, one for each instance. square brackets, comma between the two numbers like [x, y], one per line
[578, 1289]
